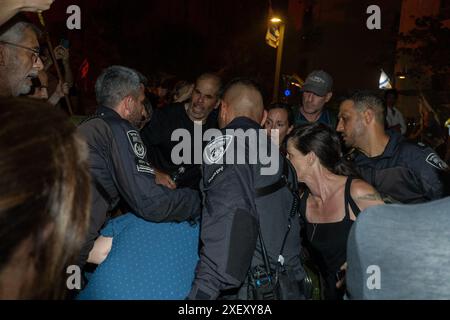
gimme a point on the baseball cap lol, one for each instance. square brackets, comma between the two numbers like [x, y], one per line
[318, 82]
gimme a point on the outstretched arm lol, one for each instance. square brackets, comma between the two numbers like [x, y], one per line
[100, 251]
[11, 7]
[62, 54]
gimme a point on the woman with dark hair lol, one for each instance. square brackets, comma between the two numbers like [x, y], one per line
[331, 202]
[281, 118]
[44, 199]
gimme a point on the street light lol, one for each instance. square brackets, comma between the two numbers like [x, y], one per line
[276, 88]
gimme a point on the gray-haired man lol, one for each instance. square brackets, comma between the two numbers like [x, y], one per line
[19, 57]
[118, 158]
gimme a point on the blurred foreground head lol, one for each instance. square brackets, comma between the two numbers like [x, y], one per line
[44, 199]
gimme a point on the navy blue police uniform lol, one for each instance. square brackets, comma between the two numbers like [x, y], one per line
[406, 172]
[120, 171]
[242, 201]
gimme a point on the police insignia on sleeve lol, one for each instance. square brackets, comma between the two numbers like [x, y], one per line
[421, 144]
[434, 160]
[140, 151]
[144, 166]
[215, 150]
[215, 174]
[136, 144]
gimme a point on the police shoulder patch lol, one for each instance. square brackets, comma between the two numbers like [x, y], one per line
[214, 175]
[215, 150]
[136, 144]
[434, 160]
[421, 145]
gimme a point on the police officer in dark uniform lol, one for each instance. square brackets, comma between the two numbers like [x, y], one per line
[118, 158]
[400, 170]
[249, 222]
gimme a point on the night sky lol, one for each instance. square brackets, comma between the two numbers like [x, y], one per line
[187, 37]
[179, 37]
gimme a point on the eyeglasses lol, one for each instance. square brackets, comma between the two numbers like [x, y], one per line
[35, 52]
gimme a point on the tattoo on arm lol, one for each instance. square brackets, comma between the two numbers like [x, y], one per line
[371, 197]
[389, 200]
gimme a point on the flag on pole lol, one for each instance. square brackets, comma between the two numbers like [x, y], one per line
[385, 82]
[273, 31]
[273, 36]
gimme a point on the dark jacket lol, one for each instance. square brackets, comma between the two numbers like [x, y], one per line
[327, 117]
[157, 137]
[407, 172]
[120, 171]
[232, 212]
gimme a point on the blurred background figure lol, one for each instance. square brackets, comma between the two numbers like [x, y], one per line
[46, 82]
[159, 90]
[394, 117]
[182, 92]
[280, 117]
[44, 199]
[428, 128]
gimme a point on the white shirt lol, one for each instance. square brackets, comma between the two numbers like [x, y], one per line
[394, 117]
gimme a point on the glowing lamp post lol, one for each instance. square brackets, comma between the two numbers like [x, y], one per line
[276, 87]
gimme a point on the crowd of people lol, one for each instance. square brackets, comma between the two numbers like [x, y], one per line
[277, 187]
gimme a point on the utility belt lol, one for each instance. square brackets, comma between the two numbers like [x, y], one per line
[264, 283]
[279, 284]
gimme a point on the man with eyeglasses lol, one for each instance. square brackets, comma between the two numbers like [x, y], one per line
[19, 57]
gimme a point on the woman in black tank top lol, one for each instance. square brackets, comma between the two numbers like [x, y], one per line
[331, 201]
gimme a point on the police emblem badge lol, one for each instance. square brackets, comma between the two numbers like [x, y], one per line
[434, 160]
[215, 150]
[136, 144]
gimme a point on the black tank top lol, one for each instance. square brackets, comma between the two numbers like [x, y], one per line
[327, 242]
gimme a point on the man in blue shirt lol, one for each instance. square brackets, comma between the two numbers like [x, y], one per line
[317, 91]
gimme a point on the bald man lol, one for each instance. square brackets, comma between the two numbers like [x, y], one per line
[246, 193]
[200, 111]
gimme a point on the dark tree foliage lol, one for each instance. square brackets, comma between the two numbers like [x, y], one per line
[431, 51]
